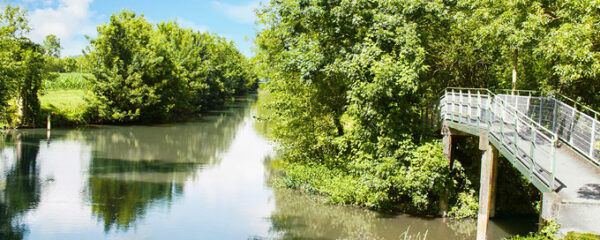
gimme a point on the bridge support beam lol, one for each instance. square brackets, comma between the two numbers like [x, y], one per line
[447, 140]
[487, 187]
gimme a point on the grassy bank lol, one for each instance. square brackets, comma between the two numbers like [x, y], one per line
[68, 107]
[65, 98]
[549, 232]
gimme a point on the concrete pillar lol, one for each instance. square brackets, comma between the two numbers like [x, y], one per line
[550, 208]
[488, 161]
[494, 182]
[447, 140]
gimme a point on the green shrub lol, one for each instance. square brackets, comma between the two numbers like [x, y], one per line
[414, 182]
[467, 205]
[581, 236]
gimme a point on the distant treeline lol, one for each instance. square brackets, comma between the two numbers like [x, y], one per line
[141, 72]
[151, 73]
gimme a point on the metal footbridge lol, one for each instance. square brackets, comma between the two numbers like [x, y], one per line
[555, 145]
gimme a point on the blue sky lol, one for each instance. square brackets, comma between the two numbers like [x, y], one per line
[72, 20]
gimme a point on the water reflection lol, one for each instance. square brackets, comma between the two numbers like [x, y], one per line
[299, 216]
[119, 200]
[200, 180]
[137, 167]
[20, 182]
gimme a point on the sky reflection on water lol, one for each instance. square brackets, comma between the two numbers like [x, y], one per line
[197, 180]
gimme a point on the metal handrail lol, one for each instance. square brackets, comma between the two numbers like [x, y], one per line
[514, 108]
[585, 139]
[574, 103]
[519, 118]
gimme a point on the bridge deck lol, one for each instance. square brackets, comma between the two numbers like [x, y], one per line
[577, 179]
[543, 155]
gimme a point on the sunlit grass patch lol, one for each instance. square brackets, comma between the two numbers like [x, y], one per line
[68, 106]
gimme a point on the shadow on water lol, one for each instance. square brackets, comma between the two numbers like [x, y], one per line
[299, 215]
[20, 183]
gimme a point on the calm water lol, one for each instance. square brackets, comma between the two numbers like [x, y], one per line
[198, 180]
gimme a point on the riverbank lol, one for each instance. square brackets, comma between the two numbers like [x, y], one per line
[69, 102]
[68, 108]
[200, 179]
[382, 184]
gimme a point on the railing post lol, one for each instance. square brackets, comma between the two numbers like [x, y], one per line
[478, 108]
[489, 120]
[554, 112]
[516, 141]
[461, 105]
[502, 109]
[453, 105]
[572, 126]
[445, 106]
[592, 138]
[540, 117]
[532, 151]
[470, 97]
[553, 152]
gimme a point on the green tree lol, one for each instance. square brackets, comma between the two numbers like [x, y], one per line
[344, 80]
[24, 66]
[129, 75]
[52, 46]
[570, 48]
[147, 73]
[68, 64]
[13, 27]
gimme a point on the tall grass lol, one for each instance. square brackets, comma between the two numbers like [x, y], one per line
[418, 236]
[69, 81]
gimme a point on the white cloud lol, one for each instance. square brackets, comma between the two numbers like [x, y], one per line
[190, 24]
[243, 13]
[70, 20]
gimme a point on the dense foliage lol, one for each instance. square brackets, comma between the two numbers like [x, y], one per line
[22, 70]
[347, 81]
[150, 73]
[140, 72]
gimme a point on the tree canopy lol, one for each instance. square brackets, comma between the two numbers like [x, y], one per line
[348, 81]
[23, 66]
[142, 72]
[151, 73]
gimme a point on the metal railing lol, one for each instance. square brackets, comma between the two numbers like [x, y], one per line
[529, 144]
[567, 100]
[572, 126]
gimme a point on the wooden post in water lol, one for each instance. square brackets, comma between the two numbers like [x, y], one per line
[49, 124]
[487, 184]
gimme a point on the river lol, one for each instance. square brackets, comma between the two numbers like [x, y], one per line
[206, 179]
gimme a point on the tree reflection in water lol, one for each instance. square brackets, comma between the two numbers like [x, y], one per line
[136, 167]
[300, 216]
[20, 190]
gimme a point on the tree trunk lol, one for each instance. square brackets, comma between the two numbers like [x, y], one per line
[514, 71]
[338, 125]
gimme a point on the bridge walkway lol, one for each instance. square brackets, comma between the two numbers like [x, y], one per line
[551, 143]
